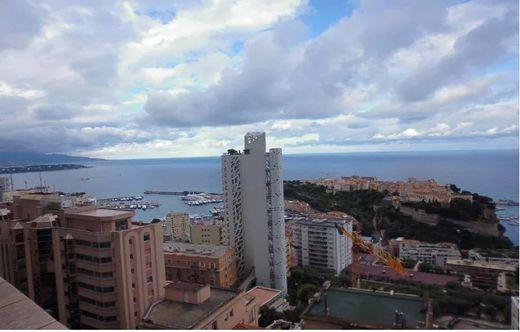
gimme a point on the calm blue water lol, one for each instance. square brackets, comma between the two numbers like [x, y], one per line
[490, 173]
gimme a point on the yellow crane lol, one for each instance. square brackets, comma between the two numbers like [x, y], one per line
[359, 245]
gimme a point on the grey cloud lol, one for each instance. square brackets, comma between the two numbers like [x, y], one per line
[480, 47]
[20, 21]
[305, 81]
[56, 111]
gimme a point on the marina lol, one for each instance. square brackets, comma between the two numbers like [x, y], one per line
[201, 199]
[127, 202]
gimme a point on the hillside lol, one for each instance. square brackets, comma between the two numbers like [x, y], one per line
[24, 158]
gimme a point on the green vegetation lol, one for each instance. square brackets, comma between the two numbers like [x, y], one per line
[156, 220]
[397, 224]
[357, 203]
[360, 204]
[459, 209]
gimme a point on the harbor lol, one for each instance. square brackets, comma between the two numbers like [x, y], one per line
[127, 202]
[201, 199]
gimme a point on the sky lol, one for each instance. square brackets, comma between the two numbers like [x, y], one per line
[172, 78]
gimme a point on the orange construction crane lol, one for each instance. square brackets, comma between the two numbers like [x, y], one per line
[358, 245]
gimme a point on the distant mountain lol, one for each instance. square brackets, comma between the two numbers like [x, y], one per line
[22, 158]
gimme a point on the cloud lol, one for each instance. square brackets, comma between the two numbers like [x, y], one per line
[166, 78]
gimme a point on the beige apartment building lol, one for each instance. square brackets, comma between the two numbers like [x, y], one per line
[205, 264]
[112, 270]
[191, 306]
[206, 231]
[180, 226]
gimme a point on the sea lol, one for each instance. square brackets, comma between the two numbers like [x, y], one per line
[490, 173]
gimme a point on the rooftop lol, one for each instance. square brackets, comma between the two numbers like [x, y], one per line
[179, 315]
[189, 249]
[424, 277]
[184, 286]
[482, 264]
[368, 308]
[100, 213]
[19, 312]
[264, 295]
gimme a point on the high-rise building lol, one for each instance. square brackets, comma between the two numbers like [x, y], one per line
[254, 211]
[41, 276]
[112, 269]
[5, 186]
[319, 245]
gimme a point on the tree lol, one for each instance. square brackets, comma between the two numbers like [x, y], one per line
[156, 221]
[306, 292]
[268, 316]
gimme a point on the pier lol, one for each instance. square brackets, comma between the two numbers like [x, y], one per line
[127, 202]
[177, 193]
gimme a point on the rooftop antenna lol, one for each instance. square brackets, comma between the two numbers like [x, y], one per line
[12, 182]
[25, 184]
[41, 185]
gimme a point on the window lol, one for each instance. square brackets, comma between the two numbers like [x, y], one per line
[146, 237]
[214, 325]
[149, 279]
[98, 289]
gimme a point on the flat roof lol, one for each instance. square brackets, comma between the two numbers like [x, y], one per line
[96, 213]
[424, 277]
[19, 312]
[188, 249]
[264, 295]
[185, 285]
[184, 316]
[482, 264]
[368, 308]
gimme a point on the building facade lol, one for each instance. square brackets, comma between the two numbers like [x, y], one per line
[206, 264]
[112, 269]
[430, 253]
[5, 186]
[318, 244]
[180, 226]
[206, 230]
[254, 211]
[482, 274]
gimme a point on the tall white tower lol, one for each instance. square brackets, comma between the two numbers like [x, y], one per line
[252, 183]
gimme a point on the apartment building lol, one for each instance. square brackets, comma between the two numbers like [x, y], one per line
[41, 277]
[205, 264]
[482, 274]
[191, 306]
[318, 244]
[12, 253]
[252, 184]
[206, 230]
[180, 226]
[5, 186]
[430, 253]
[112, 270]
